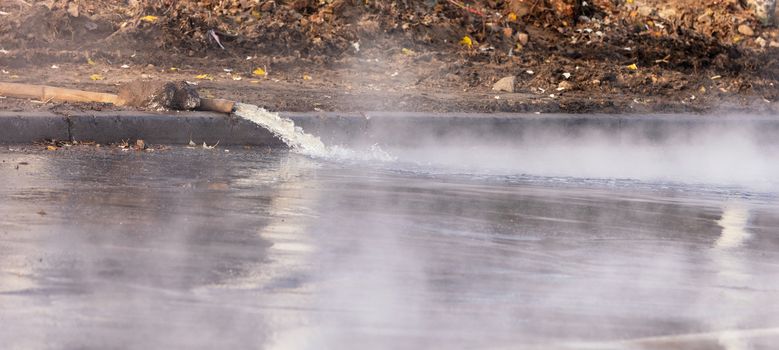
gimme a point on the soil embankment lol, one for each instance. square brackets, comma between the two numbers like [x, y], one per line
[446, 55]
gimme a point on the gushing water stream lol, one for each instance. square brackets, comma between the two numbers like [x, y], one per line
[300, 141]
[284, 129]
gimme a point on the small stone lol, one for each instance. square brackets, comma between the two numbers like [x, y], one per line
[746, 30]
[773, 43]
[507, 32]
[523, 38]
[267, 6]
[564, 85]
[667, 14]
[73, 9]
[645, 11]
[760, 42]
[505, 84]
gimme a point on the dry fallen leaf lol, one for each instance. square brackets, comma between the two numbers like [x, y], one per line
[467, 41]
[90, 62]
[259, 72]
[149, 19]
[407, 52]
[51, 148]
[204, 77]
[306, 77]
[96, 77]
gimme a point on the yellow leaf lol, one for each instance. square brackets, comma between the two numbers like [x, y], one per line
[256, 14]
[204, 77]
[260, 72]
[51, 148]
[407, 52]
[90, 62]
[96, 77]
[173, 69]
[629, 1]
[306, 77]
[150, 19]
[632, 67]
[512, 17]
[466, 40]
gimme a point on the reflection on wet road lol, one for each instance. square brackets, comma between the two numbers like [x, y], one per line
[270, 250]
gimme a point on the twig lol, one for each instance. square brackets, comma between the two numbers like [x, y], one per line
[467, 8]
[212, 35]
[533, 7]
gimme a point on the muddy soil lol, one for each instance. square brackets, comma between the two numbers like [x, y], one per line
[437, 56]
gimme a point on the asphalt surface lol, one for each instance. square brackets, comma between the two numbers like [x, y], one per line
[102, 248]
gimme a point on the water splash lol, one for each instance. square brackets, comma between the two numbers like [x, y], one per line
[300, 141]
[283, 128]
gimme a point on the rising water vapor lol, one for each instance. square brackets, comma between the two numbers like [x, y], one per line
[737, 150]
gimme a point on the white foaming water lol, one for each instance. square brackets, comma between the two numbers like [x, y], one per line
[302, 142]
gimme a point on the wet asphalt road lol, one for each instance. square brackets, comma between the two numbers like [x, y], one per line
[204, 249]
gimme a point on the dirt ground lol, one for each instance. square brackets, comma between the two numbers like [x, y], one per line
[609, 56]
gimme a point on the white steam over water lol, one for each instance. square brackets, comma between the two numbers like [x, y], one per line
[713, 155]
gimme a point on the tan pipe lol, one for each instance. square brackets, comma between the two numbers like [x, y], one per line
[51, 93]
[216, 105]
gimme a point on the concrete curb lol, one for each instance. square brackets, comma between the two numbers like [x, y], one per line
[29, 127]
[386, 127]
[116, 126]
